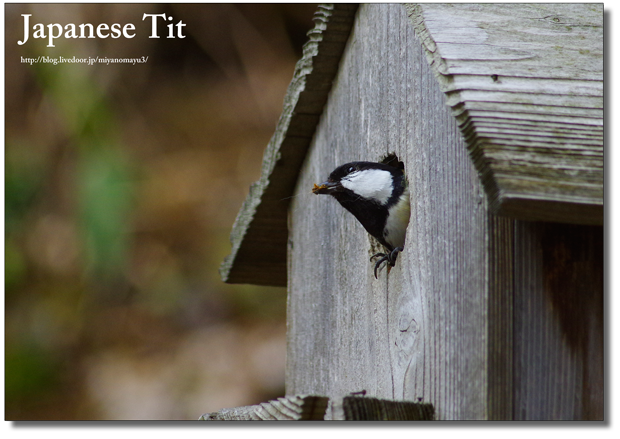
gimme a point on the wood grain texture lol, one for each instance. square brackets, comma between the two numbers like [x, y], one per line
[558, 322]
[484, 317]
[501, 318]
[525, 82]
[293, 408]
[314, 408]
[422, 331]
[361, 408]
[259, 235]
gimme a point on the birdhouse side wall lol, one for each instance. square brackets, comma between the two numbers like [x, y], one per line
[421, 331]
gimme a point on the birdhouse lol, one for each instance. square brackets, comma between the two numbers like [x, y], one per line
[494, 309]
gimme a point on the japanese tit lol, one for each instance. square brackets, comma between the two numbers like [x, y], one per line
[378, 196]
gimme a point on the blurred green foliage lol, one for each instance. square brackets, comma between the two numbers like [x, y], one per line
[121, 186]
[103, 179]
[32, 373]
[22, 181]
[105, 200]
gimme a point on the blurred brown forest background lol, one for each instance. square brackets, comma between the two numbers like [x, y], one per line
[121, 186]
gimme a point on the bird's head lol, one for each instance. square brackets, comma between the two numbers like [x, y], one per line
[369, 181]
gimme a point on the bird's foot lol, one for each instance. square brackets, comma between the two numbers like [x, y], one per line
[389, 258]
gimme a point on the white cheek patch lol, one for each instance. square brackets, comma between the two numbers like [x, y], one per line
[374, 184]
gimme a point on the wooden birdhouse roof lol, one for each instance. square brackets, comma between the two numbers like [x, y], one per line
[525, 84]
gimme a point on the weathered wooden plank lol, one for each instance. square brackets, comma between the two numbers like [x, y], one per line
[558, 322]
[526, 40]
[500, 318]
[591, 106]
[259, 235]
[537, 63]
[532, 108]
[291, 408]
[421, 332]
[360, 408]
[315, 408]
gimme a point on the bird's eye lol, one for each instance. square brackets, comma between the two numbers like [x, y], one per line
[350, 169]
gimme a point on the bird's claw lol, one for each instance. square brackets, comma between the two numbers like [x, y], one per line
[390, 258]
[384, 258]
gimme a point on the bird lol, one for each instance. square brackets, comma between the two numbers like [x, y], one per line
[377, 194]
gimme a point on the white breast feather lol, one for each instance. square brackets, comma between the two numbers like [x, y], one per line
[397, 221]
[374, 184]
